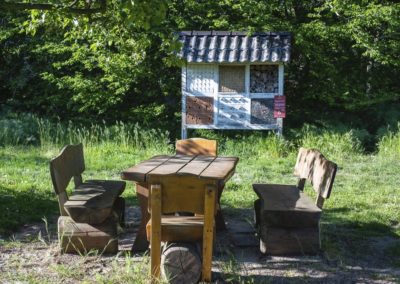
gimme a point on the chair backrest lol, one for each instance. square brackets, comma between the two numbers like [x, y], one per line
[323, 176]
[67, 165]
[311, 165]
[175, 197]
[197, 146]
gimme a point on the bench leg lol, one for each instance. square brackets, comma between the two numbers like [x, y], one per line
[141, 244]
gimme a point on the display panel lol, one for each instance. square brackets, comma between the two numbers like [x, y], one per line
[262, 111]
[264, 79]
[231, 79]
[199, 110]
[200, 79]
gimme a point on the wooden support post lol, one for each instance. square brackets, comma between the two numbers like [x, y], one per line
[300, 183]
[279, 121]
[155, 239]
[208, 231]
[184, 128]
[320, 201]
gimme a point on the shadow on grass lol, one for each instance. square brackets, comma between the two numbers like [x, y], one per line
[20, 207]
[345, 243]
[361, 243]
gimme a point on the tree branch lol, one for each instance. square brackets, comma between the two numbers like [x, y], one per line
[47, 6]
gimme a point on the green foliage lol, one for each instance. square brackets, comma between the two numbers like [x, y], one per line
[121, 65]
[389, 144]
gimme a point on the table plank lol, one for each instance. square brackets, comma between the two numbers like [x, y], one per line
[221, 168]
[196, 166]
[172, 166]
[138, 173]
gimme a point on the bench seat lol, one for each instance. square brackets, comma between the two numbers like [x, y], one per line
[82, 237]
[93, 201]
[287, 220]
[285, 206]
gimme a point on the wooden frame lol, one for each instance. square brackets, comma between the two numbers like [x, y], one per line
[205, 206]
[244, 121]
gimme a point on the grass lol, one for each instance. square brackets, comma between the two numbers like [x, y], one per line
[364, 206]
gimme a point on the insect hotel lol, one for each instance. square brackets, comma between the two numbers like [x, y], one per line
[233, 80]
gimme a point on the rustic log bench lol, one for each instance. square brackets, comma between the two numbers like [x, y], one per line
[90, 215]
[287, 220]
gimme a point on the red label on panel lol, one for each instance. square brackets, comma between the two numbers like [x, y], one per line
[279, 107]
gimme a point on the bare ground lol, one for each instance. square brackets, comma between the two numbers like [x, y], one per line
[32, 256]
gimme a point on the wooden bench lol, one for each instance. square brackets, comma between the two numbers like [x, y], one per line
[90, 215]
[287, 219]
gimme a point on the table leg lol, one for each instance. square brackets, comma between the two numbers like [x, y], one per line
[141, 244]
[219, 218]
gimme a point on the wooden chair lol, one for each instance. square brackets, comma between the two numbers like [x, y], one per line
[286, 218]
[201, 146]
[168, 228]
[197, 146]
[89, 216]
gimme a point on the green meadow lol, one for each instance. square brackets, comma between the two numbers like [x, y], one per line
[364, 207]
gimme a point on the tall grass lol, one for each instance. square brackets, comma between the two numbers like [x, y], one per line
[389, 144]
[333, 144]
[270, 146]
[31, 130]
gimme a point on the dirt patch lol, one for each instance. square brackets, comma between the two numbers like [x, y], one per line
[32, 255]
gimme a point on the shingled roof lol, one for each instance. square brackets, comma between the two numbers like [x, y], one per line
[234, 47]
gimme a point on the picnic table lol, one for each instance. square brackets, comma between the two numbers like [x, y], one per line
[182, 170]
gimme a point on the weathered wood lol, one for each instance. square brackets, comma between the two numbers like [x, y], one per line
[138, 173]
[68, 164]
[155, 236]
[182, 228]
[141, 243]
[305, 163]
[286, 218]
[171, 166]
[208, 232]
[323, 176]
[284, 241]
[196, 166]
[183, 193]
[197, 146]
[92, 206]
[178, 183]
[221, 168]
[286, 206]
[91, 222]
[178, 228]
[181, 263]
[81, 237]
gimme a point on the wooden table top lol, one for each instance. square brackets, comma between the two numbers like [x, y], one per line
[216, 168]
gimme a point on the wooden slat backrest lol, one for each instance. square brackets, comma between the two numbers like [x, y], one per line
[68, 164]
[323, 176]
[181, 194]
[305, 162]
[197, 146]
